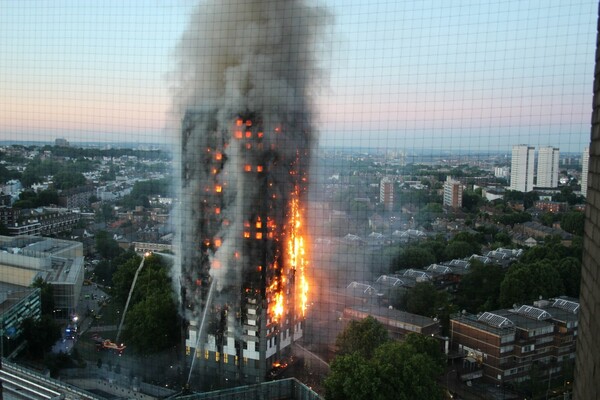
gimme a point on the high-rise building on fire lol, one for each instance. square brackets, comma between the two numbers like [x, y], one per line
[245, 98]
[522, 168]
[243, 266]
[547, 167]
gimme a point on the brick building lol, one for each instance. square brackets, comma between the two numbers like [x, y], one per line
[507, 343]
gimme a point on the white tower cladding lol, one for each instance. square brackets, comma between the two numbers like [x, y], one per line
[547, 169]
[522, 168]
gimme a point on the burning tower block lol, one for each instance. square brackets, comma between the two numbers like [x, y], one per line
[244, 187]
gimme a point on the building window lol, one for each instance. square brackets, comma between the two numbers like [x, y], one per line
[528, 348]
[217, 356]
[206, 354]
[225, 358]
[506, 349]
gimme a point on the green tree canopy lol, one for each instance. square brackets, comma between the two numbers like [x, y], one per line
[397, 370]
[570, 273]
[479, 289]
[573, 222]
[422, 299]
[472, 200]
[458, 249]
[524, 283]
[106, 246]
[46, 295]
[6, 174]
[361, 337]
[412, 257]
[65, 179]
[151, 323]
[40, 335]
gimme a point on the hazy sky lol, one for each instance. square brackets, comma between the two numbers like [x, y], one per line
[400, 74]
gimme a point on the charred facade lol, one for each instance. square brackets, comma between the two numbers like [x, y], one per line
[242, 240]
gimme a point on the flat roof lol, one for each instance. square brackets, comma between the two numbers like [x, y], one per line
[14, 294]
[385, 312]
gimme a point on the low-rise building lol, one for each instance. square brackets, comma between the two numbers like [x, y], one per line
[16, 304]
[78, 197]
[398, 323]
[507, 343]
[23, 259]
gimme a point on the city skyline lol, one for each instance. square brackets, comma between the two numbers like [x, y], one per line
[411, 75]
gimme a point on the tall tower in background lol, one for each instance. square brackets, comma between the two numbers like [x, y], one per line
[522, 168]
[585, 164]
[453, 191]
[547, 167]
[587, 361]
[386, 193]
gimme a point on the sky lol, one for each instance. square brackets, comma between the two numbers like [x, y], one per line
[453, 74]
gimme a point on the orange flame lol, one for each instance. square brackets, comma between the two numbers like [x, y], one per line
[278, 310]
[296, 253]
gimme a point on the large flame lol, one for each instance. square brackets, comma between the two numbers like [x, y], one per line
[296, 253]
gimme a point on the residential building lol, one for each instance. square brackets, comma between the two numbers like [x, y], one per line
[585, 161]
[551, 206]
[78, 197]
[16, 304]
[386, 193]
[398, 323]
[453, 193]
[23, 259]
[522, 168]
[259, 311]
[547, 167]
[501, 172]
[507, 343]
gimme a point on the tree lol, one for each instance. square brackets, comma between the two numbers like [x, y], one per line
[422, 299]
[570, 273]
[46, 295]
[361, 337]
[458, 249]
[123, 277]
[479, 289]
[66, 179]
[351, 378]
[40, 335]
[524, 283]
[472, 201]
[429, 213]
[104, 213]
[106, 246]
[397, 370]
[151, 324]
[6, 174]
[412, 257]
[4, 230]
[573, 222]
[47, 197]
